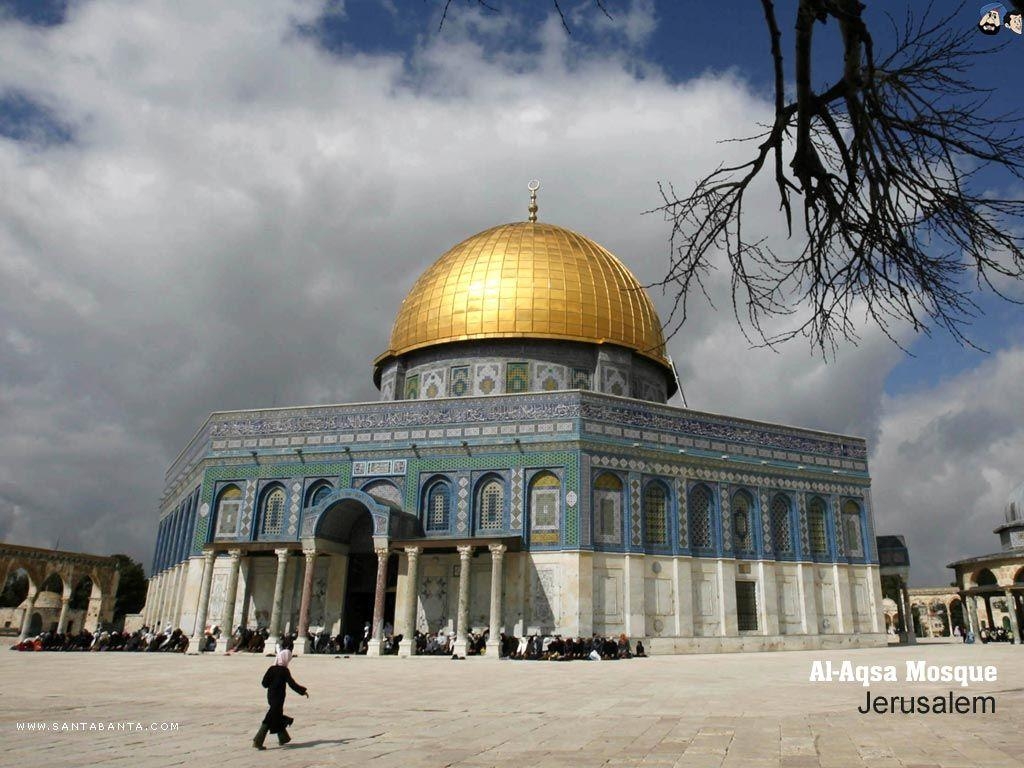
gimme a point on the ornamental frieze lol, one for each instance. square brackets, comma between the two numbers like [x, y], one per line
[693, 472]
[720, 429]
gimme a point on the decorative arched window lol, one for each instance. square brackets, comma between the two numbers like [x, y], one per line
[272, 512]
[229, 507]
[742, 528]
[655, 515]
[852, 529]
[545, 493]
[816, 523]
[700, 506]
[607, 508]
[317, 492]
[491, 505]
[782, 539]
[438, 507]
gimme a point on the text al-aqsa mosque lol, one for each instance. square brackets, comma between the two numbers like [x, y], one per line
[521, 473]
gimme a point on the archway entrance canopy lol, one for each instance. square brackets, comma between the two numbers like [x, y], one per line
[336, 517]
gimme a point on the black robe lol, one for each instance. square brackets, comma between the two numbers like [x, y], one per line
[274, 681]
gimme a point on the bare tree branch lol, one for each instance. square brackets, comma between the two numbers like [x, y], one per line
[894, 222]
[884, 161]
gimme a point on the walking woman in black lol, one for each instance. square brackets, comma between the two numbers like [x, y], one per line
[276, 721]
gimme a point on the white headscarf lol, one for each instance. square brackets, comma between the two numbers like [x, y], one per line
[283, 657]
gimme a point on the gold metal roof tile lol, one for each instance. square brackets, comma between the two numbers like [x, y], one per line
[552, 282]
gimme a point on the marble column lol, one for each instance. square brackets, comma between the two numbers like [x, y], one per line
[203, 608]
[909, 611]
[302, 641]
[377, 628]
[62, 622]
[26, 620]
[275, 611]
[1011, 605]
[497, 593]
[247, 569]
[972, 601]
[408, 645]
[230, 594]
[147, 609]
[158, 596]
[462, 625]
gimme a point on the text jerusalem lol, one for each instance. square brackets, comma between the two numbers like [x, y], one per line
[949, 703]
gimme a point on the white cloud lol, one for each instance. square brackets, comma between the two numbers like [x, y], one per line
[241, 214]
[947, 458]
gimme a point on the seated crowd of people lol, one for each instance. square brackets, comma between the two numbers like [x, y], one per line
[533, 647]
[558, 648]
[996, 635]
[344, 643]
[442, 643]
[145, 639]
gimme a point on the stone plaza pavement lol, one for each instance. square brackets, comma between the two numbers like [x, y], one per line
[751, 710]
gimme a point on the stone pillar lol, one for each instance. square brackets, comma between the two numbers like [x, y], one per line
[461, 627]
[275, 611]
[1011, 605]
[230, 593]
[377, 627]
[167, 579]
[988, 612]
[62, 622]
[408, 645]
[199, 630]
[972, 614]
[302, 641]
[497, 607]
[30, 605]
[246, 591]
[909, 613]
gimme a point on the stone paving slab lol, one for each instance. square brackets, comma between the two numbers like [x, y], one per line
[722, 711]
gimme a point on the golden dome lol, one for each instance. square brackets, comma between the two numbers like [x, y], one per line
[527, 280]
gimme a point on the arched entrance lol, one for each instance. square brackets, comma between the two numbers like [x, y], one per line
[956, 615]
[361, 580]
[346, 526]
[35, 624]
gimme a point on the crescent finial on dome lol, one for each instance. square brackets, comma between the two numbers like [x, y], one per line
[533, 186]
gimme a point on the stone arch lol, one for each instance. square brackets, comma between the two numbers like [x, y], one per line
[85, 590]
[1018, 578]
[53, 583]
[53, 574]
[956, 614]
[983, 577]
[16, 587]
[333, 517]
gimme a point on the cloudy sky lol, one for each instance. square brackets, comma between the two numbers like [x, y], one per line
[207, 206]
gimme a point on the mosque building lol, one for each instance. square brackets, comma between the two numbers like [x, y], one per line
[522, 472]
